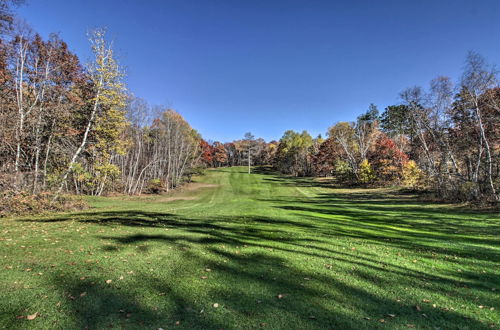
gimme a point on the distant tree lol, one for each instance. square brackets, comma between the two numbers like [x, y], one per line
[343, 172]
[366, 173]
[366, 131]
[412, 175]
[371, 115]
[324, 159]
[6, 14]
[219, 152]
[478, 78]
[294, 153]
[386, 159]
[395, 120]
[206, 153]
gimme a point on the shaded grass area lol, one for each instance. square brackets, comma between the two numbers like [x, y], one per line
[270, 251]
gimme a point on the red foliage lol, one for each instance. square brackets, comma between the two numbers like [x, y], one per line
[206, 153]
[324, 160]
[386, 158]
[219, 154]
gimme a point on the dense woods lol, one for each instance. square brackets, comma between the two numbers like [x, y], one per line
[70, 127]
[73, 127]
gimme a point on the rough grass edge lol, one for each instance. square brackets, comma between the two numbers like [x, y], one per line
[24, 203]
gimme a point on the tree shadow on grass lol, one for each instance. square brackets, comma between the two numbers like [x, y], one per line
[253, 290]
[248, 285]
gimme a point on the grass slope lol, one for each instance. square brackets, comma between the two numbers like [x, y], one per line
[270, 251]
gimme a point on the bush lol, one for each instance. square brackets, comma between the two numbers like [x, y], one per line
[154, 186]
[412, 176]
[194, 171]
[366, 173]
[343, 171]
[23, 203]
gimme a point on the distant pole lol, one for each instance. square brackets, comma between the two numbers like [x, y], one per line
[248, 139]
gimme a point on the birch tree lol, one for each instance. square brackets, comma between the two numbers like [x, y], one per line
[477, 79]
[105, 77]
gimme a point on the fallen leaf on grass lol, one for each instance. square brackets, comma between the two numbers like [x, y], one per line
[83, 294]
[417, 307]
[208, 270]
[32, 316]
[204, 277]
[426, 300]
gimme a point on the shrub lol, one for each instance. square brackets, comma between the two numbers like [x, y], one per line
[343, 171]
[412, 175]
[23, 203]
[154, 186]
[366, 173]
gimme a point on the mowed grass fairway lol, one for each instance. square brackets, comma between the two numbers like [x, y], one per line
[239, 251]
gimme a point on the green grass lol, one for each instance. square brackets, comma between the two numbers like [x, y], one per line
[273, 252]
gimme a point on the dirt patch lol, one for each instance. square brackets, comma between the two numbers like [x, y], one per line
[173, 198]
[173, 195]
[192, 186]
[197, 185]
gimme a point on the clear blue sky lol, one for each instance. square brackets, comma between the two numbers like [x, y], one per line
[267, 66]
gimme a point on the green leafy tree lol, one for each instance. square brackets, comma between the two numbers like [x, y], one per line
[343, 171]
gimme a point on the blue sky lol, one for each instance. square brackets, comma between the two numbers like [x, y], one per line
[268, 66]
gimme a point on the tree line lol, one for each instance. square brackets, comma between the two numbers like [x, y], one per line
[445, 139]
[71, 127]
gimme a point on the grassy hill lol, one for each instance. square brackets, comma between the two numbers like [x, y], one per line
[239, 251]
